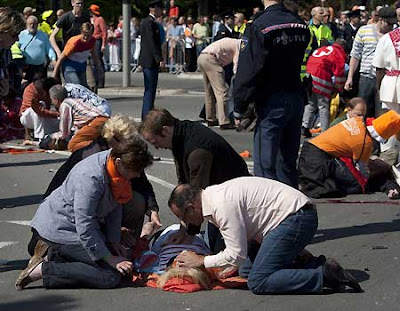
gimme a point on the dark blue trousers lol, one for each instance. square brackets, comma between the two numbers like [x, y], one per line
[150, 88]
[277, 137]
[70, 266]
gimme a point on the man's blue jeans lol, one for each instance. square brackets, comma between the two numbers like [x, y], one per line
[150, 88]
[77, 77]
[277, 137]
[272, 270]
[367, 90]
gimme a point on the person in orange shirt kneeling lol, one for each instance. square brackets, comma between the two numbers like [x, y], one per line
[336, 162]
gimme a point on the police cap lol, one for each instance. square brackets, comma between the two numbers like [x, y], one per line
[155, 3]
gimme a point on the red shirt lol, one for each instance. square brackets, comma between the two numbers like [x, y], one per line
[100, 28]
[173, 11]
[323, 64]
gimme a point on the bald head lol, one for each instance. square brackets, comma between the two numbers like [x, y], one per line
[32, 24]
[183, 195]
[32, 19]
[317, 14]
[316, 10]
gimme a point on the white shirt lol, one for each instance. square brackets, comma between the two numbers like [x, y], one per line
[385, 57]
[245, 209]
[78, 91]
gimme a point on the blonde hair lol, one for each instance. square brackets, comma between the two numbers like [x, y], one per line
[11, 20]
[197, 276]
[120, 127]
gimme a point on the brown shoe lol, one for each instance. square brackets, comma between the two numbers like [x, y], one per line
[24, 277]
[41, 248]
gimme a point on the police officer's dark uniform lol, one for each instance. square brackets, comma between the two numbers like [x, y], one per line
[225, 32]
[268, 74]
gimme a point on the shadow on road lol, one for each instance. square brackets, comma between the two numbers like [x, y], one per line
[58, 302]
[39, 162]
[21, 201]
[13, 265]
[323, 235]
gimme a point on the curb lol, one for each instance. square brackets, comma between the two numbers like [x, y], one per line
[133, 91]
[190, 76]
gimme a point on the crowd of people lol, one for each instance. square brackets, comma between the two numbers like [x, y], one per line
[288, 72]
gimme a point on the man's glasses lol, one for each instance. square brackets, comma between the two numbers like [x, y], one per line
[78, 3]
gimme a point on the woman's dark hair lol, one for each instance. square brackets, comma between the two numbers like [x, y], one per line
[134, 154]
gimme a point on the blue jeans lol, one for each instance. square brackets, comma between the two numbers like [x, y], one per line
[272, 269]
[277, 137]
[200, 47]
[98, 72]
[150, 88]
[367, 90]
[78, 77]
[70, 266]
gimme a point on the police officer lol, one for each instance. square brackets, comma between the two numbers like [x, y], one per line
[271, 55]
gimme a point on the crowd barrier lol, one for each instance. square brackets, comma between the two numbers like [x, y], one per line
[173, 52]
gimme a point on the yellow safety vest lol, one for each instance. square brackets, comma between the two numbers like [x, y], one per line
[240, 29]
[45, 27]
[59, 35]
[322, 32]
[16, 51]
[307, 52]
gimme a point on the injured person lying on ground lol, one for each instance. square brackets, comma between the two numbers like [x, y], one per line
[156, 265]
[266, 226]
[338, 161]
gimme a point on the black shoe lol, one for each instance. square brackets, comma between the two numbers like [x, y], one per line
[305, 132]
[336, 277]
[227, 126]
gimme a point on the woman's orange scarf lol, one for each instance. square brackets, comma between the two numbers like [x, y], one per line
[120, 186]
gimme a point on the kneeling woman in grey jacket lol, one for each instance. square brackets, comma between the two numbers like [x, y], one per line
[81, 221]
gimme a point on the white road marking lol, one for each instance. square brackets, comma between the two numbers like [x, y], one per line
[19, 222]
[5, 244]
[171, 161]
[161, 182]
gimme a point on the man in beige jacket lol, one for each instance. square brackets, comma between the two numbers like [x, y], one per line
[211, 62]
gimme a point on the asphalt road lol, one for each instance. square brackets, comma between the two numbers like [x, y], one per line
[361, 232]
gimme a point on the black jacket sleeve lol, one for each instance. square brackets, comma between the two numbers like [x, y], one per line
[144, 187]
[150, 54]
[251, 63]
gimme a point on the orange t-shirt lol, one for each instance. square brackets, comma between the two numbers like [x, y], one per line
[78, 50]
[346, 139]
[38, 101]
